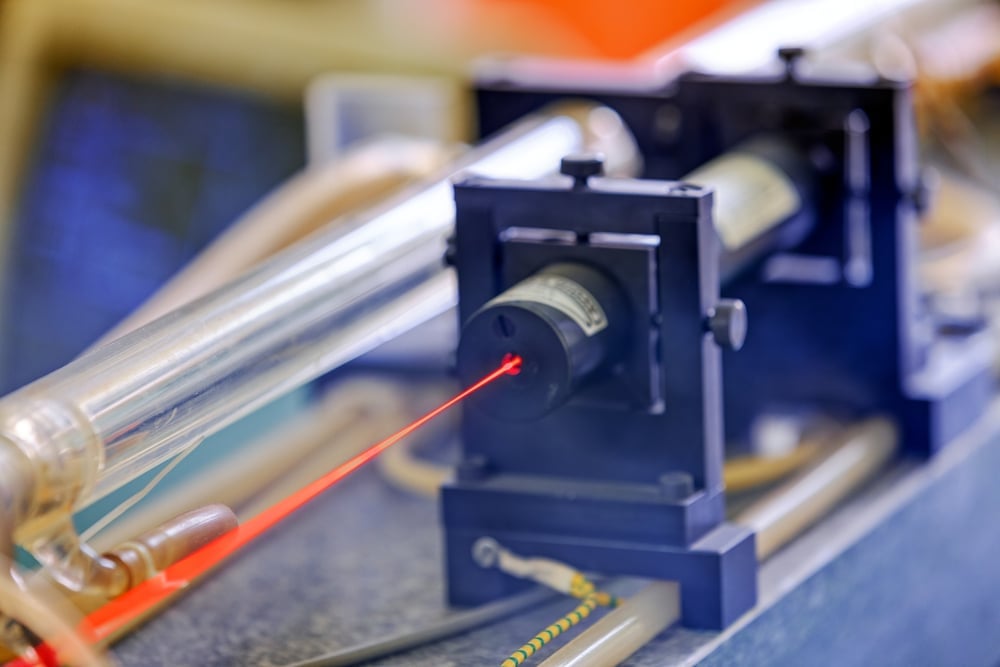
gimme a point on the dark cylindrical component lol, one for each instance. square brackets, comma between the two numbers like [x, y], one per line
[565, 322]
[764, 200]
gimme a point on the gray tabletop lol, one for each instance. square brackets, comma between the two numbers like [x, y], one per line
[906, 573]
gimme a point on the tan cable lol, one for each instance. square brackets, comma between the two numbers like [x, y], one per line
[402, 468]
[750, 472]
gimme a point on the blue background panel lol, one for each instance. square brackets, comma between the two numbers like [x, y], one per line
[128, 181]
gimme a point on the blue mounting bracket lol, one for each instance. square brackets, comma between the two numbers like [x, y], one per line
[624, 474]
[840, 322]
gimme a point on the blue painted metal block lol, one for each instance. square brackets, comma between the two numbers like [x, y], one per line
[717, 572]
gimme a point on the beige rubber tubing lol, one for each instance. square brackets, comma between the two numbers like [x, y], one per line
[404, 469]
[50, 617]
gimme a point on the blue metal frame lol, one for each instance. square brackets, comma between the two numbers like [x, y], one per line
[588, 482]
[860, 341]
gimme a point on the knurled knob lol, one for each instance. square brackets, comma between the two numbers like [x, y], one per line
[728, 323]
[581, 166]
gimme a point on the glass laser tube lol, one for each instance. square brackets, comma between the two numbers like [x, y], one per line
[121, 409]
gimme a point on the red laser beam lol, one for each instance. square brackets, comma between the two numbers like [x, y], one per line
[134, 604]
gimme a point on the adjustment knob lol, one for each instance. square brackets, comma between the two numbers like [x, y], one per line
[581, 166]
[728, 323]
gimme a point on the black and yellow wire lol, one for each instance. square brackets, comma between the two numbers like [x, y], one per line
[591, 598]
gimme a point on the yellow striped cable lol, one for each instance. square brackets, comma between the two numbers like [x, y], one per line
[581, 612]
[580, 586]
[607, 599]
[555, 575]
[590, 602]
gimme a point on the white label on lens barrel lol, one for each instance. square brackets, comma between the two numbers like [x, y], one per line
[563, 294]
[751, 196]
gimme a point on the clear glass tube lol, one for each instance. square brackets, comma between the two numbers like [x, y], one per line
[121, 409]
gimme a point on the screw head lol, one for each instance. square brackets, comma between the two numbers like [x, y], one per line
[790, 55]
[486, 552]
[472, 469]
[787, 53]
[581, 166]
[676, 486]
[728, 323]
